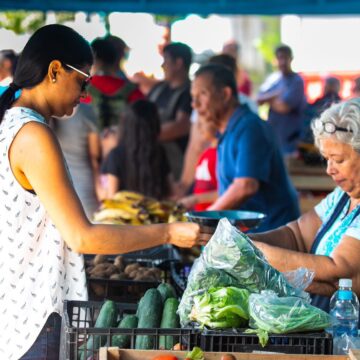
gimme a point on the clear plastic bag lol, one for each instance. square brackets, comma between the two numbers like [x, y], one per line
[280, 315]
[231, 259]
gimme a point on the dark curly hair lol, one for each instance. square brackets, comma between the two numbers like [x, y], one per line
[144, 155]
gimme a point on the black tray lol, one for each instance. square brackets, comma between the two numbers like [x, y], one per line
[243, 220]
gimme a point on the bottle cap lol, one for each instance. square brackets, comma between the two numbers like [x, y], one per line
[345, 283]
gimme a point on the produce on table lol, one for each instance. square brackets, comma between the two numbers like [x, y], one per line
[149, 313]
[270, 313]
[107, 318]
[226, 307]
[165, 357]
[128, 207]
[195, 354]
[170, 320]
[231, 259]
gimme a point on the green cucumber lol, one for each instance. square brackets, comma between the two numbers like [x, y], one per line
[170, 319]
[149, 314]
[106, 319]
[166, 291]
[123, 341]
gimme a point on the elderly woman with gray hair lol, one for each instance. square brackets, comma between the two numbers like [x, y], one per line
[327, 238]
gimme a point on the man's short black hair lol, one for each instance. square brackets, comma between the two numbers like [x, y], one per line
[178, 50]
[284, 49]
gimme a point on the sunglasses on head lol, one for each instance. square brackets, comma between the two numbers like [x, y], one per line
[329, 127]
[87, 77]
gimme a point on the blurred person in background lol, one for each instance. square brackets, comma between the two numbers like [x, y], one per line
[243, 81]
[108, 92]
[79, 139]
[139, 162]
[250, 168]
[122, 52]
[356, 88]
[286, 99]
[199, 143]
[8, 61]
[330, 95]
[172, 97]
[205, 190]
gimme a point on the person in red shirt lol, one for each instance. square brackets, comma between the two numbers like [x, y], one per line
[205, 182]
[109, 92]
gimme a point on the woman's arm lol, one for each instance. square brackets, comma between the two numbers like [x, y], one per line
[343, 263]
[298, 235]
[37, 163]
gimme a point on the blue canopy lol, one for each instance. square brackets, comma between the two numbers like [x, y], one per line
[183, 7]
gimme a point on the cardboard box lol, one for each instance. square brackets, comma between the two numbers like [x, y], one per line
[114, 353]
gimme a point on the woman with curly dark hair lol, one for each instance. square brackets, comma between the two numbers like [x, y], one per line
[139, 162]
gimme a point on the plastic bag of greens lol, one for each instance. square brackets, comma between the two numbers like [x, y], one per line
[270, 313]
[231, 259]
[221, 308]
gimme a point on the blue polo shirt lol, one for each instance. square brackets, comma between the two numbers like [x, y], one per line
[248, 148]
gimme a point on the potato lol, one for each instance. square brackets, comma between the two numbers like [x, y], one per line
[123, 276]
[98, 259]
[102, 267]
[115, 277]
[119, 262]
[133, 274]
[111, 269]
[129, 268]
[98, 274]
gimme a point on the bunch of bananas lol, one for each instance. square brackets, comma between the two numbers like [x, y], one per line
[127, 207]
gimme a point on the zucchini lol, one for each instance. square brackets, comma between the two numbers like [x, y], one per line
[123, 341]
[166, 291]
[170, 320]
[149, 314]
[106, 319]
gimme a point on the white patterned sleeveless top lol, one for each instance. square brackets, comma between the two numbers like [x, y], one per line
[37, 269]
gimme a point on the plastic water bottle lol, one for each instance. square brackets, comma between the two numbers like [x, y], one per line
[344, 309]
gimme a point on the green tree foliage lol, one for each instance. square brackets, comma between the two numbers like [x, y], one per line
[269, 40]
[22, 22]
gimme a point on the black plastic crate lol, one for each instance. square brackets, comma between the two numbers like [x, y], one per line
[129, 291]
[80, 317]
[179, 274]
[319, 343]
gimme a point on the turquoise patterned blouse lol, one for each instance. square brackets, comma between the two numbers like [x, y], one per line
[343, 225]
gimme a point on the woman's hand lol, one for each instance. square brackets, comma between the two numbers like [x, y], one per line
[186, 235]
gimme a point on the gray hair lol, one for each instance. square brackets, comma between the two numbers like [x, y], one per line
[345, 115]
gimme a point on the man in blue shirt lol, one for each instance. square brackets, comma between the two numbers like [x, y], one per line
[286, 98]
[250, 169]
